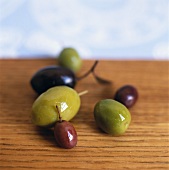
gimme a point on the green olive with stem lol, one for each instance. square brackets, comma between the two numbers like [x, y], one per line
[44, 107]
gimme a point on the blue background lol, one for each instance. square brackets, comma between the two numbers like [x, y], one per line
[106, 29]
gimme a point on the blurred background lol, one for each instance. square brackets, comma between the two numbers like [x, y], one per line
[102, 29]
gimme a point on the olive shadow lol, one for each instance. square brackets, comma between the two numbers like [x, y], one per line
[100, 131]
[86, 112]
[46, 134]
[107, 92]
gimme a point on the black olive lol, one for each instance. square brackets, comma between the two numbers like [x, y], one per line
[51, 76]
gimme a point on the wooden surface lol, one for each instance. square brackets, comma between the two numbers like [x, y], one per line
[145, 145]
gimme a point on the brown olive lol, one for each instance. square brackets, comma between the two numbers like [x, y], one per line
[127, 95]
[65, 134]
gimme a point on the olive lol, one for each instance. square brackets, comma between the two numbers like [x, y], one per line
[112, 117]
[70, 58]
[51, 76]
[44, 111]
[127, 95]
[65, 133]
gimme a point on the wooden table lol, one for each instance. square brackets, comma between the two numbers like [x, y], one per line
[145, 145]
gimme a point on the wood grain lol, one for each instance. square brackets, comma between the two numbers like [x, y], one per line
[145, 145]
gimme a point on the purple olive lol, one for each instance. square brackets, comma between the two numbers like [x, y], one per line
[65, 133]
[127, 95]
[52, 76]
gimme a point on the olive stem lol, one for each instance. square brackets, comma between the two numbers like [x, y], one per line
[60, 118]
[88, 72]
[83, 92]
[92, 70]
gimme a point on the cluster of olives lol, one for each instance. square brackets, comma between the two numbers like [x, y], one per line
[58, 102]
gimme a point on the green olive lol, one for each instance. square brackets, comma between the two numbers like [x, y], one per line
[112, 117]
[70, 58]
[44, 112]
